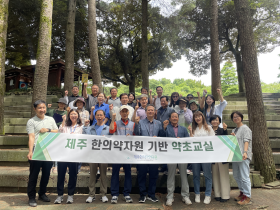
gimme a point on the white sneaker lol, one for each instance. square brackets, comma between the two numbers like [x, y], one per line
[104, 199]
[70, 199]
[207, 199]
[59, 199]
[169, 202]
[114, 200]
[90, 199]
[197, 198]
[187, 200]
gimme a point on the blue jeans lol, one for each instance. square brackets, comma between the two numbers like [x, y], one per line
[241, 174]
[153, 175]
[207, 171]
[115, 183]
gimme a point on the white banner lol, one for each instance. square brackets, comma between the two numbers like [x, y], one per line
[136, 149]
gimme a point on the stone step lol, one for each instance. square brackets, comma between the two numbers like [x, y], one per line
[18, 108]
[27, 100]
[13, 114]
[272, 133]
[14, 140]
[16, 121]
[11, 177]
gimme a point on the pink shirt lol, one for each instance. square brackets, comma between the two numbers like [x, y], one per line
[175, 130]
[72, 130]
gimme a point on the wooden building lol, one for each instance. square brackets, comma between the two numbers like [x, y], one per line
[24, 77]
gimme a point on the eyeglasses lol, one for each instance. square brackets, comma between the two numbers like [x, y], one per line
[189, 97]
[175, 96]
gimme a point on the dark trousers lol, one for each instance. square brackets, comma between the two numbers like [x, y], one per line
[61, 170]
[34, 169]
[115, 183]
[153, 175]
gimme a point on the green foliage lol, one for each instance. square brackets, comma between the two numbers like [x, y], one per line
[181, 86]
[271, 88]
[229, 81]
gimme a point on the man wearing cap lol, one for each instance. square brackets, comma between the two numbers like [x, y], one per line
[116, 110]
[123, 127]
[185, 114]
[80, 104]
[70, 99]
[164, 111]
[140, 111]
[91, 99]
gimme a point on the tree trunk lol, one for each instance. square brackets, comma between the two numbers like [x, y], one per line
[144, 57]
[3, 37]
[263, 158]
[43, 53]
[93, 48]
[132, 85]
[69, 51]
[240, 73]
[215, 52]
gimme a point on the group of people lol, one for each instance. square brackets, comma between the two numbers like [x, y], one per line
[158, 116]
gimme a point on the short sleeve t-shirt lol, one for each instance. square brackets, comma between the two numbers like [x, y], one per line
[35, 124]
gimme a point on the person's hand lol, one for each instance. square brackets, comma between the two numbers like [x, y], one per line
[64, 117]
[111, 106]
[198, 94]
[233, 134]
[154, 136]
[92, 108]
[165, 124]
[244, 157]
[155, 97]
[114, 117]
[85, 85]
[137, 105]
[137, 119]
[219, 91]
[68, 109]
[224, 126]
[49, 105]
[178, 137]
[87, 122]
[151, 91]
[185, 109]
[29, 156]
[108, 97]
[66, 92]
[190, 128]
[204, 93]
[44, 130]
[128, 134]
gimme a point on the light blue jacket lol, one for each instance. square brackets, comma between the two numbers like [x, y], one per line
[90, 130]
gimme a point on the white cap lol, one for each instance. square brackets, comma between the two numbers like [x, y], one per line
[124, 107]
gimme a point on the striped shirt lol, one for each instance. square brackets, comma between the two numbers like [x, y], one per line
[35, 124]
[244, 134]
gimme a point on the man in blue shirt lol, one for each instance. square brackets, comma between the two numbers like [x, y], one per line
[148, 127]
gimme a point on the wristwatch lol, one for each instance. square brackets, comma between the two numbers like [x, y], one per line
[245, 152]
[49, 130]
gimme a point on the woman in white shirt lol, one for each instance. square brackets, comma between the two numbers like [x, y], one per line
[73, 125]
[200, 128]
